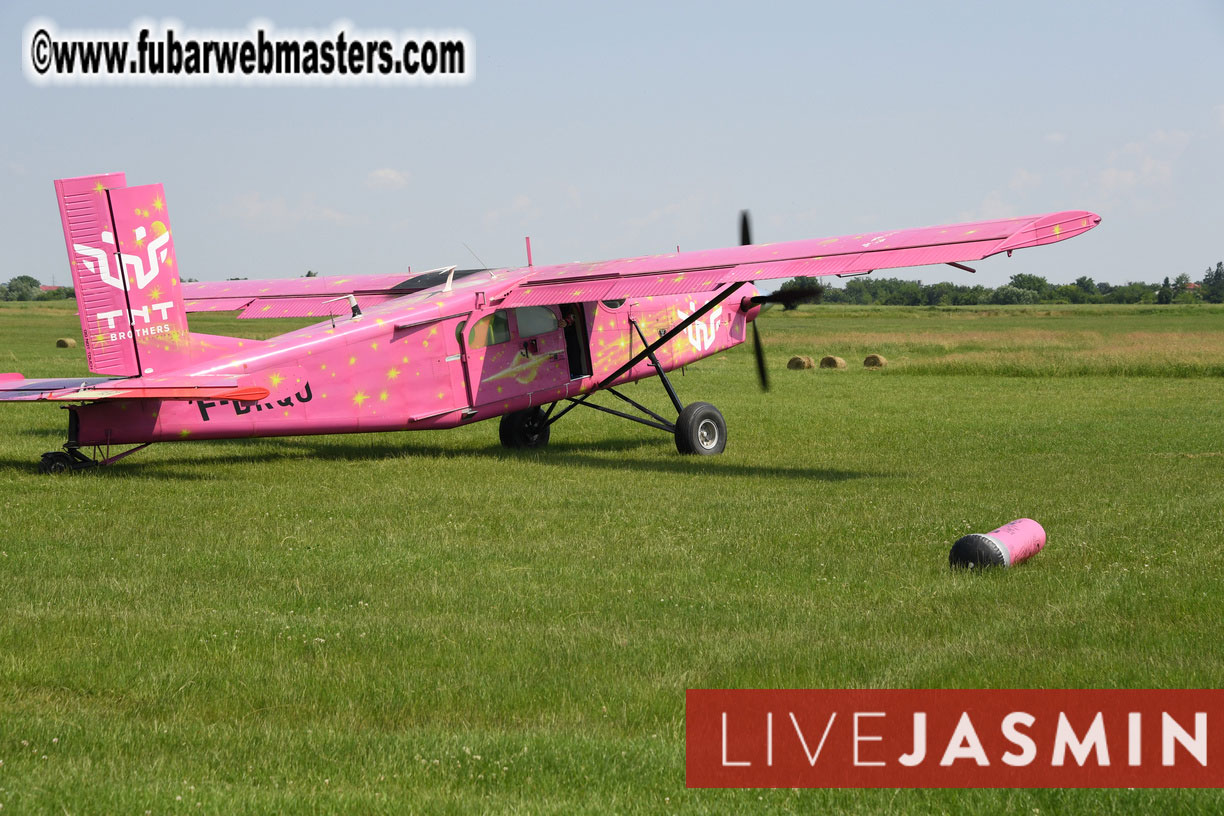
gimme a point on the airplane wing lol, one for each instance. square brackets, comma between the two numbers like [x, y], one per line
[13, 387]
[307, 297]
[845, 255]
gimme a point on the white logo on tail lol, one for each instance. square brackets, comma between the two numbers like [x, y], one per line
[96, 260]
[702, 336]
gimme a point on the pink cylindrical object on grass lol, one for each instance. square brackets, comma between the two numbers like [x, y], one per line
[1005, 547]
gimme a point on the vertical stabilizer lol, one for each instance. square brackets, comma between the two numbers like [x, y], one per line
[125, 273]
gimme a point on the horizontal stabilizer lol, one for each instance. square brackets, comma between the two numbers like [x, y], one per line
[89, 389]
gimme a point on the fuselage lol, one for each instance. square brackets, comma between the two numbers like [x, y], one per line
[435, 359]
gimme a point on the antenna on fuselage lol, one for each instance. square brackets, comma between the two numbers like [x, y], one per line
[483, 265]
[352, 302]
[528, 239]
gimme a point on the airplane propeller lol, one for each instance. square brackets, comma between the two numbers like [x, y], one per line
[765, 301]
[786, 298]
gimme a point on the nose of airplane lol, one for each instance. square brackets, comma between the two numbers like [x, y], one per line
[748, 303]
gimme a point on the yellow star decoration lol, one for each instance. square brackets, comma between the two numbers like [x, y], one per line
[352, 361]
[186, 432]
[441, 395]
[382, 397]
[99, 188]
[155, 294]
[158, 204]
[138, 211]
[392, 373]
[170, 262]
[374, 346]
[276, 379]
[359, 398]
[100, 338]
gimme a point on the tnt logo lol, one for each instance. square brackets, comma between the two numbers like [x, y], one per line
[96, 260]
[702, 333]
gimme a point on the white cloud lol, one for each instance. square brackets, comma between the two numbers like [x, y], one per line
[520, 210]
[1024, 180]
[1141, 172]
[387, 178]
[277, 213]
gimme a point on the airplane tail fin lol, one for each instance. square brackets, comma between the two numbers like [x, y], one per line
[121, 253]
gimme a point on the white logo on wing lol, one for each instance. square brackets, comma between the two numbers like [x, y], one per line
[700, 334]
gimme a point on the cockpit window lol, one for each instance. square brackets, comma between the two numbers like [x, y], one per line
[613, 304]
[490, 330]
[535, 320]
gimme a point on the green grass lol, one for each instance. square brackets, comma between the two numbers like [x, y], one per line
[429, 623]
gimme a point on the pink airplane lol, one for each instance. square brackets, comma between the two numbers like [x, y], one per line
[435, 350]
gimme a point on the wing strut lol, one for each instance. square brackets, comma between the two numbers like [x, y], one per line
[651, 349]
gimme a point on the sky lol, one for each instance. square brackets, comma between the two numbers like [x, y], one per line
[623, 129]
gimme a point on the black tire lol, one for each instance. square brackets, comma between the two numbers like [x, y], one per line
[55, 462]
[524, 430]
[701, 430]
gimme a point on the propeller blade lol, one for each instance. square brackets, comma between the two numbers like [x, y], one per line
[759, 351]
[745, 229]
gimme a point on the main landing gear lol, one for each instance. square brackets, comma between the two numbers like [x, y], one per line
[699, 428]
[525, 429]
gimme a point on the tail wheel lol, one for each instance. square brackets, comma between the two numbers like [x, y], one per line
[524, 429]
[701, 430]
[55, 462]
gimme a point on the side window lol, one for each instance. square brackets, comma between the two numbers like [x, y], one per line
[490, 330]
[613, 304]
[535, 320]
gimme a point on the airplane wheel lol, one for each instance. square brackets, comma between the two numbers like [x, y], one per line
[524, 429]
[55, 462]
[701, 429]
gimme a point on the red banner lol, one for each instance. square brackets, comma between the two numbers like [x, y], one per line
[955, 738]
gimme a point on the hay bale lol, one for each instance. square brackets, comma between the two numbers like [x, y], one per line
[874, 361]
[65, 342]
[829, 361]
[798, 363]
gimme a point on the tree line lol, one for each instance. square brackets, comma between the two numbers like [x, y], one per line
[24, 287]
[1022, 288]
[866, 291]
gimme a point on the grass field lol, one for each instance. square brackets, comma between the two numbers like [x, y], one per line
[429, 623]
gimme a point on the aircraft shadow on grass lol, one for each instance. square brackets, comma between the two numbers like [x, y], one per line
[559, 454]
